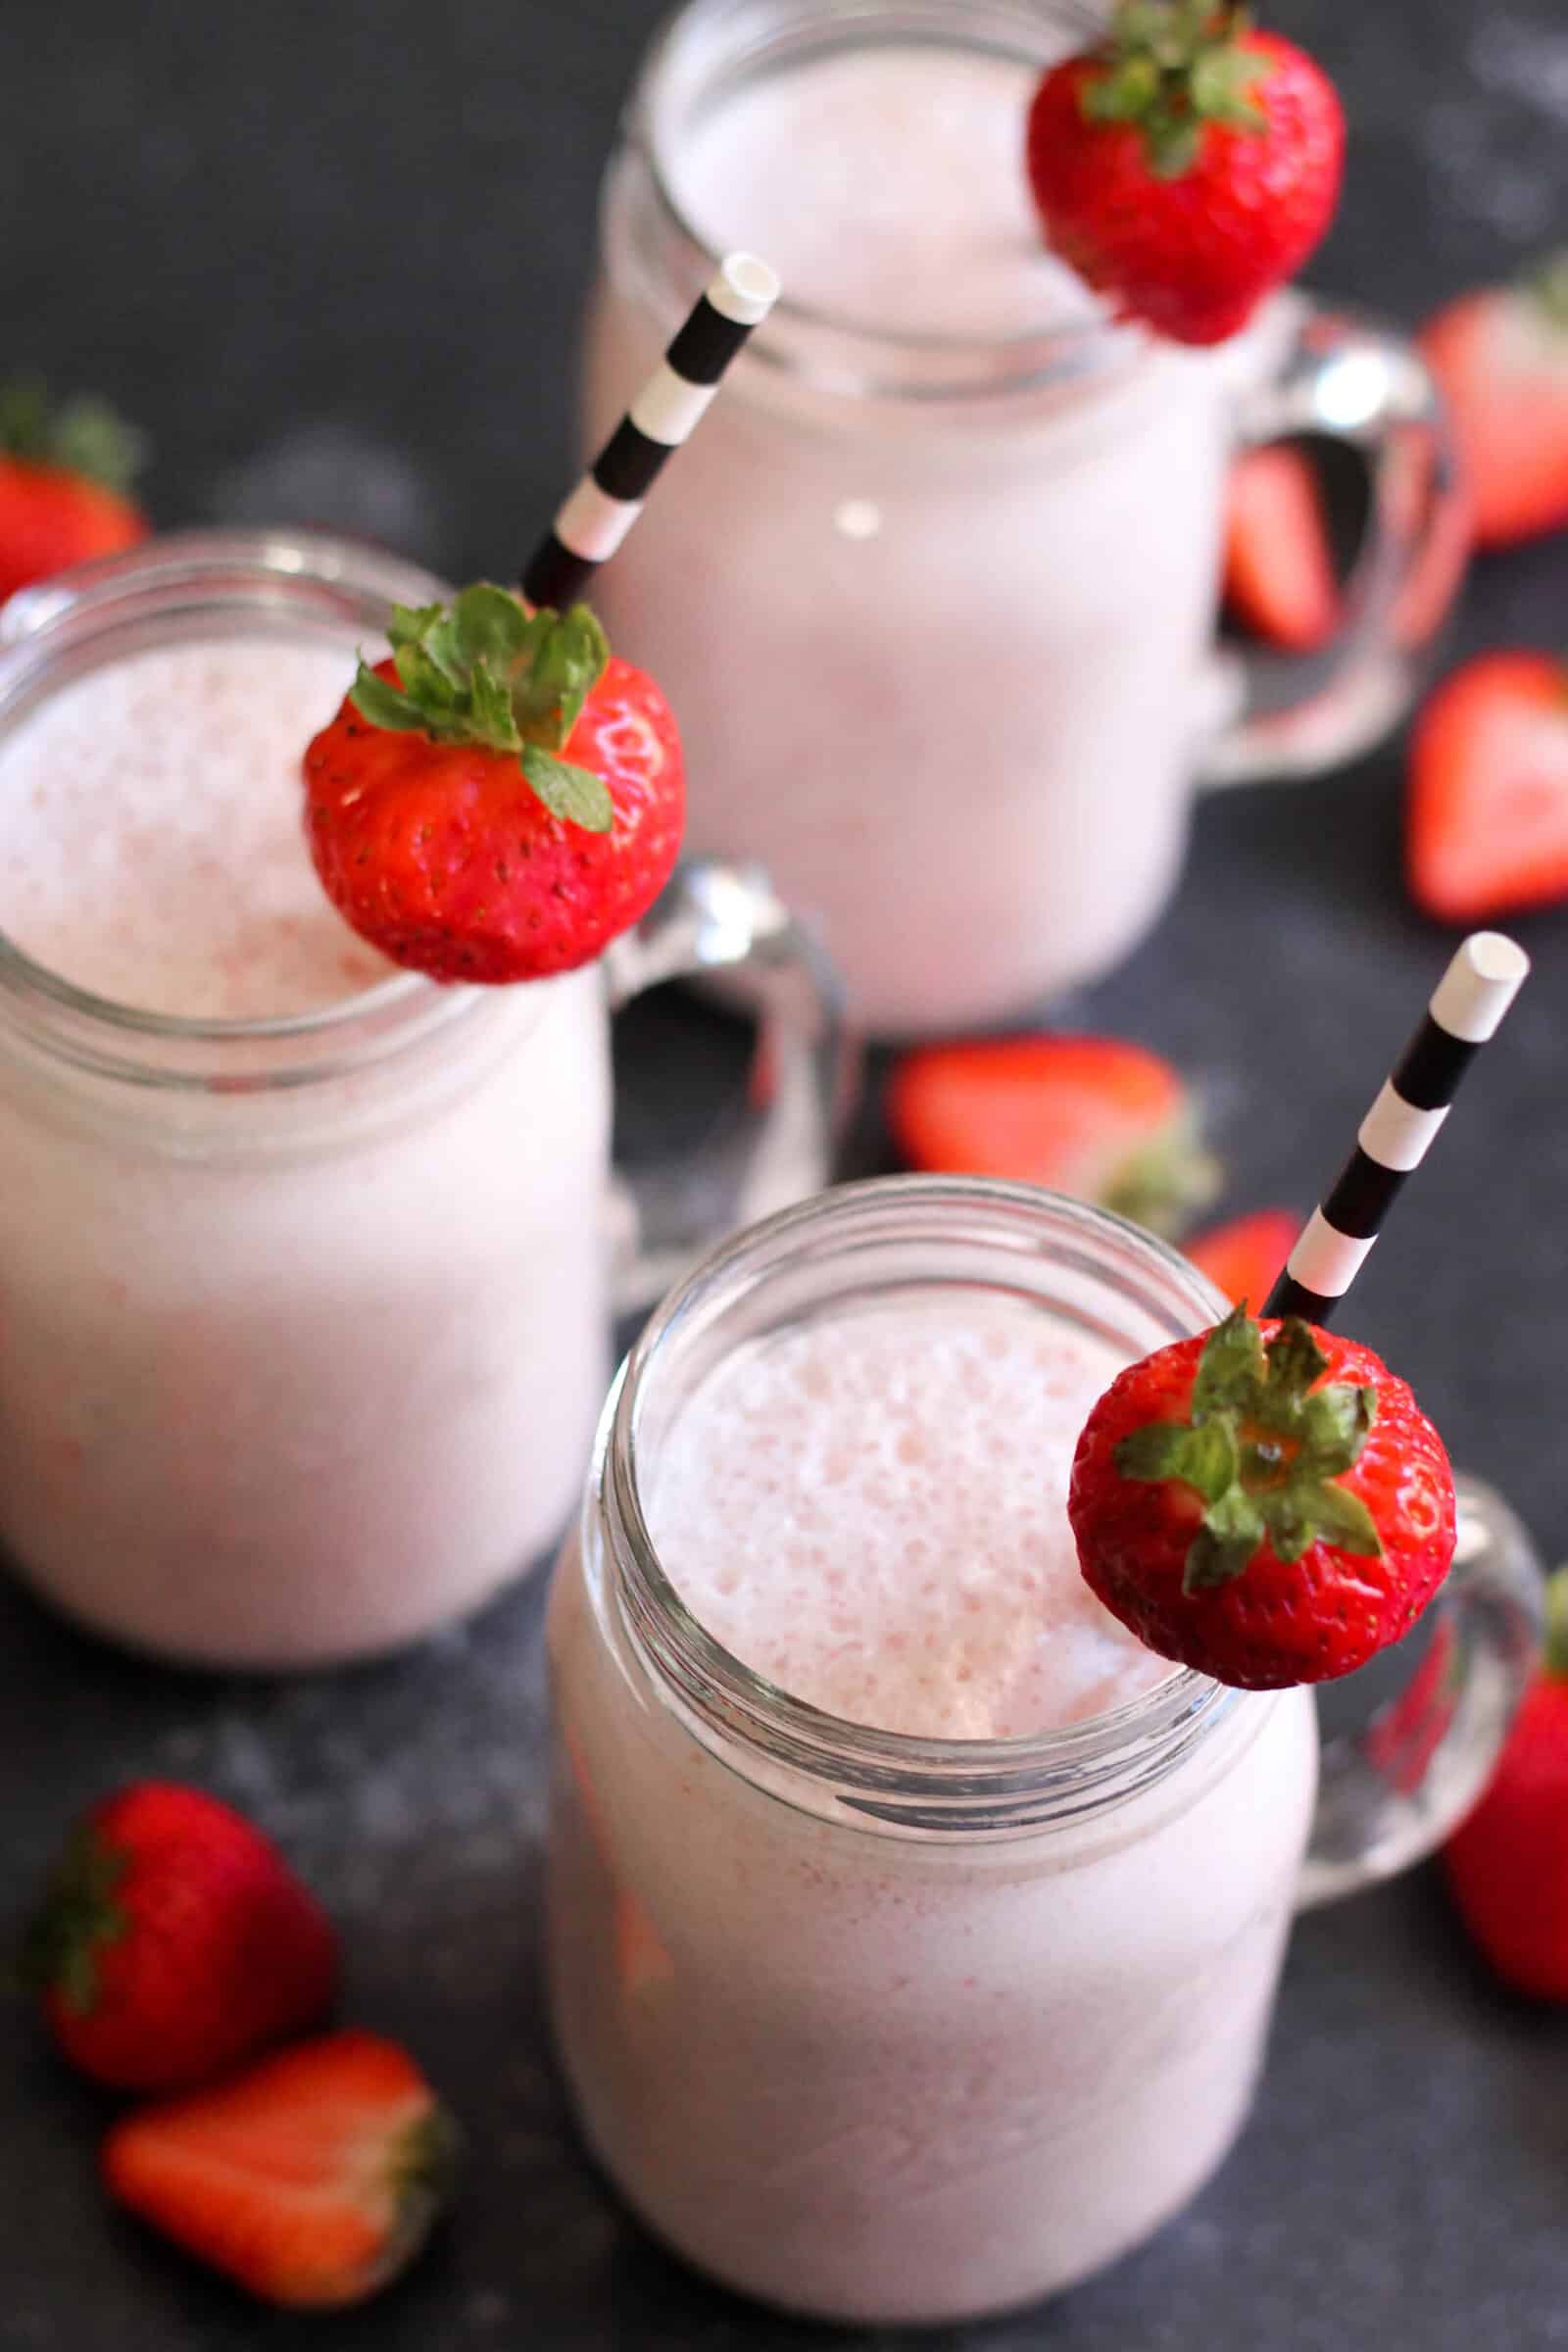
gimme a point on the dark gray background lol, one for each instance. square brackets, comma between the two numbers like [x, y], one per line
[331, 256]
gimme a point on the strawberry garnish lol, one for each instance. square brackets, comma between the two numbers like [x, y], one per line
[1186, 166]
[174, 1939]
[1507, 1862]
[1244, 1257]
[1487, 825]
[1092, 1116]
[1500, 355]
[64, 477]
[1279, 575]
[499, 800]
[1266, 1502]
[312, 2179]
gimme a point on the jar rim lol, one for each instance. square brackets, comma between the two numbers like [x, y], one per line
[861, 361]
[184, 573]
[921, 1786]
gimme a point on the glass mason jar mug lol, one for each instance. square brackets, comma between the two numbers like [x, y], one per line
[900, 2029]
[949, 545]
[305, 1321]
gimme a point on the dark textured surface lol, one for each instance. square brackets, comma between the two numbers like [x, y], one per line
[331, 253]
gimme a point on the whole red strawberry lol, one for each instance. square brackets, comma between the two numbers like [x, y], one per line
[172, 1940]
[502, 798]
[62, 481]
[1266, 1502]
[1507, 1862]
[1186, 166]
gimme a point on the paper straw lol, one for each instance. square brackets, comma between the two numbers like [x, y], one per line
[597, 515]
[1466, 1009]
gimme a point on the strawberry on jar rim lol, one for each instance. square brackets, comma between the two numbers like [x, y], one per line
[174, 1939]
[1507, 1863]
[1186, 166]
[500, 799]
[1266, 1502]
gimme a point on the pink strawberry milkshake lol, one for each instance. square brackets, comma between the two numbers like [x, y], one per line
[303, 1291]
[914, 1931]
[948, 558]
[949, 563]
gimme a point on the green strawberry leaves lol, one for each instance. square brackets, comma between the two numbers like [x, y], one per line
[486, 670]
[1172, 67]
[573, 794]
[84, 434]
[78, 1914]
[1548, 287]
[1264, 1451]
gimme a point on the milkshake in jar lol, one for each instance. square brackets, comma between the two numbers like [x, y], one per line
[304, 1260]
[914, 1931]
[949, 556]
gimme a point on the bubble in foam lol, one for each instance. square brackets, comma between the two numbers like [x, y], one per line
[899, 1554]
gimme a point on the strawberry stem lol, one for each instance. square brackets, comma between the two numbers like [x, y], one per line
[1548, 287]
[82, 434]
[77, 1915]
[488, 671]
[1170, 67]
[1556, 1659]
[1264, 1450]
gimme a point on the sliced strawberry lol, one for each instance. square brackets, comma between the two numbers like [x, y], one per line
[1488, 810]
[1507, 1863]
[1501, 358]
[312, 2179]
[1243, 1257]
[1091, 1116]
[1279, 575]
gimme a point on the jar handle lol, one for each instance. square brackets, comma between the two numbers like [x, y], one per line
[714, 917]
[1393, 1791]
[1348, 379]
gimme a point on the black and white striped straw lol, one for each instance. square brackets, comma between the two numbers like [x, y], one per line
[597, 515]
[1466, 1009]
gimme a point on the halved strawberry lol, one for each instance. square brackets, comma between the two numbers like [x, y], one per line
[1507, 1862]
[312, 2179]
[1487, 825]
[1093, 1116]
[1279, 575]
[1243, 1257]
[1501, 356]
